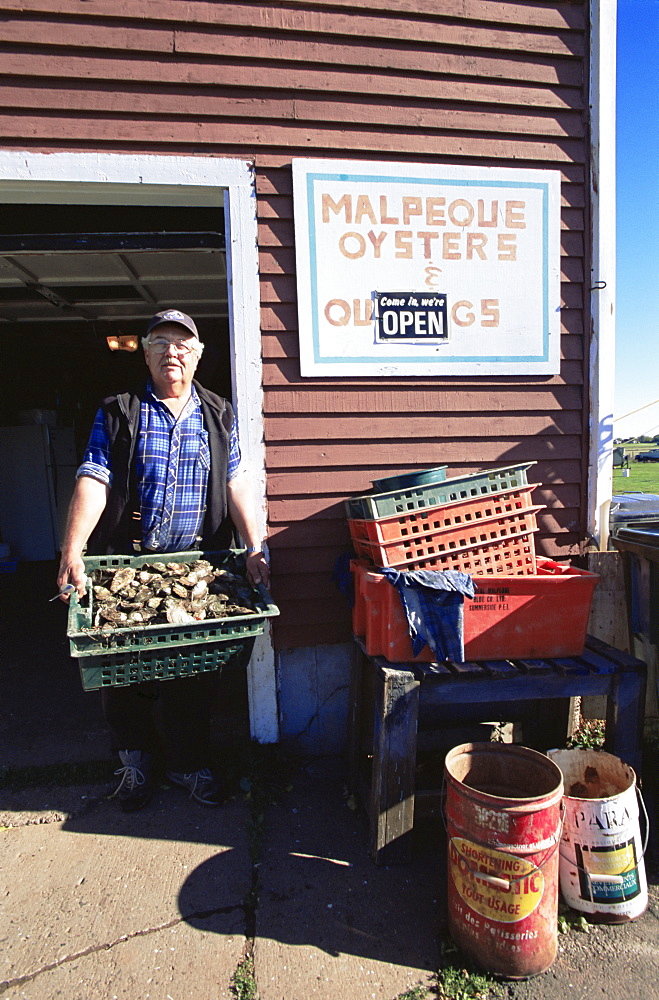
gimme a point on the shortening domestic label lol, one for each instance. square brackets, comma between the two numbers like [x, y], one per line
[525, 881]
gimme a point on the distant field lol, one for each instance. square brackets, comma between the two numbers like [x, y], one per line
[643, 476]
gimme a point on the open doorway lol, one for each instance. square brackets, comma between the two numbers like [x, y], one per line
[56, 313]
[77, 283]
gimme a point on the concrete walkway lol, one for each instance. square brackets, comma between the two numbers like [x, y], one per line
[182, 902]
[167, 902]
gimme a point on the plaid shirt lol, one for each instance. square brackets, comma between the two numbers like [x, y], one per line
[172, 463]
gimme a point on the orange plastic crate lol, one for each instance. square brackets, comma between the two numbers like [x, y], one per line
[515, 617]
[494, 545]
[460, 515]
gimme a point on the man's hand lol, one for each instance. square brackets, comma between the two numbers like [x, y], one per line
[258, 570]
[71, 571]
[87, 504]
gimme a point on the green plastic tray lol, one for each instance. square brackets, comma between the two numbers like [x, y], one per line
[152, 640]
[374, 505]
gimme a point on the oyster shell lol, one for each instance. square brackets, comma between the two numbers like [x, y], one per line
[175, 593]
[122, 579]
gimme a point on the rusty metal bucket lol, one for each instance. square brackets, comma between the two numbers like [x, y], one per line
[504, 825]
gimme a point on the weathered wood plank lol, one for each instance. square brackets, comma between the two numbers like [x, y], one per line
[316, 532]
[391, 807]
[545, 16]
[297, 138]
[549, 57]
[111, 67]
[414, 57]
[608, 615]
[432, 31]
[279, 288]
[286, 510]
[569, 172]
[408, 425]
[80, 33]
[216, 103]
[309, 534]
[352, 482]
[387, 398]
[428, 452]
[279, 372]
[429, 34]
[298, 634]
[328, 611]
[277, 260]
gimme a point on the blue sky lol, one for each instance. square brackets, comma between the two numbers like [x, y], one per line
[637, 325]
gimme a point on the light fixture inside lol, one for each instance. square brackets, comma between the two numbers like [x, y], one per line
[122, 342]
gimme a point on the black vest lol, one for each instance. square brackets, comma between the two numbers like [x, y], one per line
[116, 527]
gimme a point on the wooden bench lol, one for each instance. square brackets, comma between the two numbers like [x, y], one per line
[389, 699]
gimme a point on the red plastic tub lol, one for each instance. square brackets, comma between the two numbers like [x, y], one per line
[509, 617]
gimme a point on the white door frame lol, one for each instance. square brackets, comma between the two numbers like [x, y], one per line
[128, 179]
[602, 99]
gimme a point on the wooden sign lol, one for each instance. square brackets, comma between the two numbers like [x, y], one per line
[411, 269]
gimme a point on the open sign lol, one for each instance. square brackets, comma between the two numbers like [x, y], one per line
[410, 317]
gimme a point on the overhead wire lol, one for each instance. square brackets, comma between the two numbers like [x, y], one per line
[632, 412]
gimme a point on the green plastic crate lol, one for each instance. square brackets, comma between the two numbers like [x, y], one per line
[163, 664]
[373, 505]
[152, 640]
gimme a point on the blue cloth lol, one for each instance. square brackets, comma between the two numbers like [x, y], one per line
[172, 464]
[433, 601]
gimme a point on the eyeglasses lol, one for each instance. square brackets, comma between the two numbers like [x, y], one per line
[159, 345]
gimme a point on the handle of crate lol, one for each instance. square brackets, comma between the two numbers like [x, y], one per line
[83, 605]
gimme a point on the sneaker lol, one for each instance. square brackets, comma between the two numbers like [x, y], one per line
[135, 788]
[204, 786]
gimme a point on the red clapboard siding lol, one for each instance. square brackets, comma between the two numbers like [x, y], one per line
[486, 82]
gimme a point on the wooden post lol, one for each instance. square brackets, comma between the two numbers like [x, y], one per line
[396, 711]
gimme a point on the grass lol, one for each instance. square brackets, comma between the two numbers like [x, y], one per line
[264, 774]
[243, 983]
[643, 478]
[459, 979]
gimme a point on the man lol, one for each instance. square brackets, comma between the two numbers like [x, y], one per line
[162, 473]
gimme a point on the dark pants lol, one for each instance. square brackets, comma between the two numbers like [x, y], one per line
[179, 711]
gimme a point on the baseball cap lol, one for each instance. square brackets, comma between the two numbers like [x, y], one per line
[173, 316]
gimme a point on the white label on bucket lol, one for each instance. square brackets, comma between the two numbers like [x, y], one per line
[492, 819]
[610, 816]
[618, 859]
[525, 881]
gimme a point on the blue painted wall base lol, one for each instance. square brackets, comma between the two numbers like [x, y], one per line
[314, 684]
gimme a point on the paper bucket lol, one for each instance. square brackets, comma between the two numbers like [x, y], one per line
[601, 871]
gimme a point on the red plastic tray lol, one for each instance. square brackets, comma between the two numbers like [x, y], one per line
[444, 517]
[494, 545]
[509, 618]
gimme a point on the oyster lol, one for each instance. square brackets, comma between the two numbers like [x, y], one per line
[175, 593]
[122, 579]
[179, 616]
